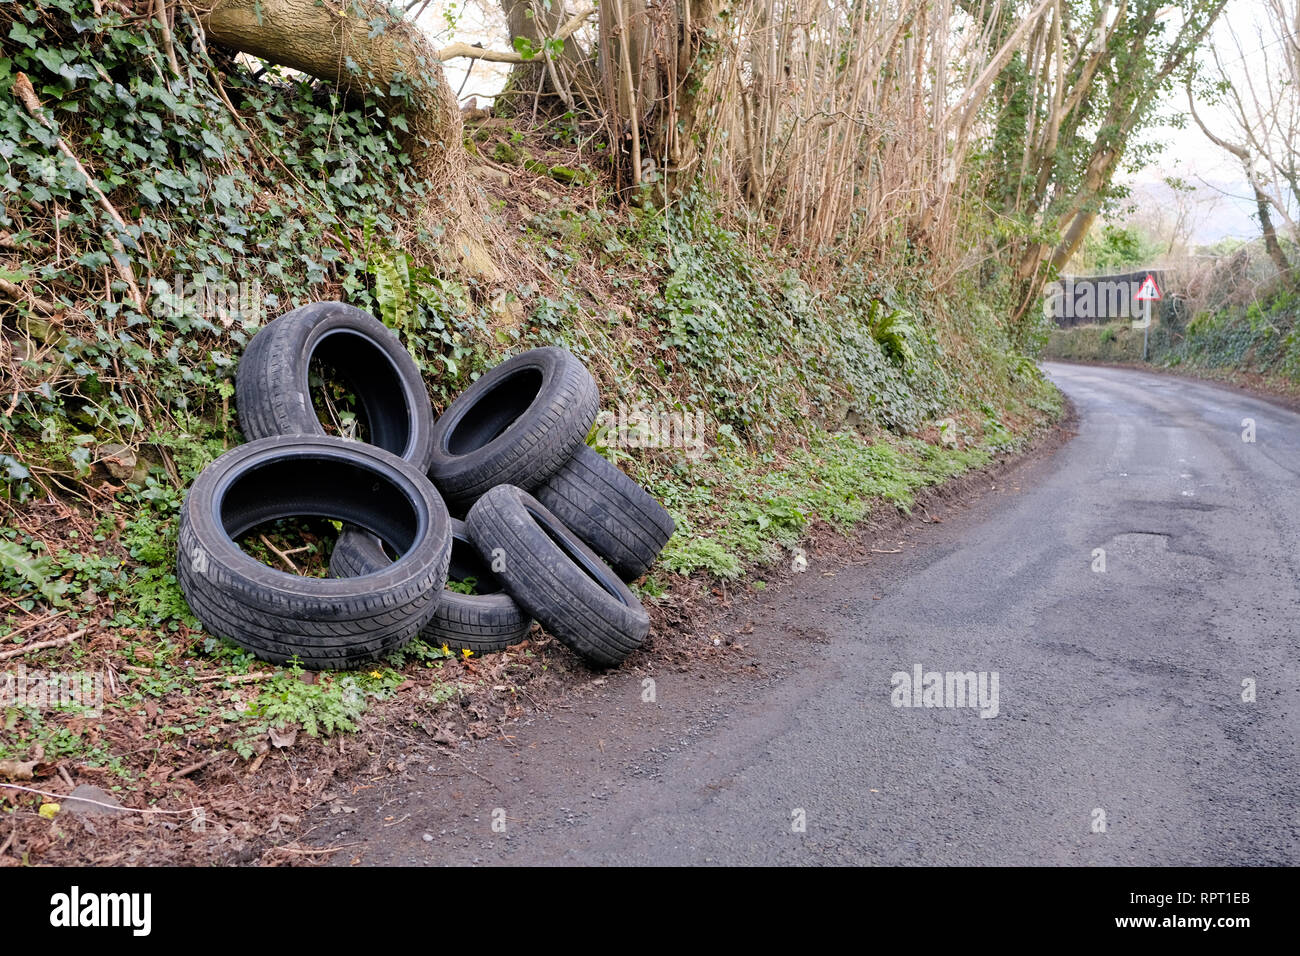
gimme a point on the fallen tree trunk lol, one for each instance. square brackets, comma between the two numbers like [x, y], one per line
[340, 43]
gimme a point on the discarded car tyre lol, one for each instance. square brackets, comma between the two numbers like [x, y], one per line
[517, 425]
[484, 622]
[274, 398]
[611, 513]
[555, 577]
[326, 623]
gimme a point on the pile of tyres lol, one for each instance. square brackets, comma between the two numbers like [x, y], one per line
[502, 489]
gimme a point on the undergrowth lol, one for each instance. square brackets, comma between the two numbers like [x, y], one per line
[760, 510]
[1263, 337]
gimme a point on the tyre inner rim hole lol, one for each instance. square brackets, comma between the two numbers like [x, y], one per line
[495, 411]
[299, 545]
[577, 557]
[335, 402]
[298, 496]
[358, 393]
[467, 567]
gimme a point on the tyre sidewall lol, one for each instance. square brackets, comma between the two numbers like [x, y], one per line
[205, 550]
[301, 331]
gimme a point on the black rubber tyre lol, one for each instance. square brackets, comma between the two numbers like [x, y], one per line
[611, 513]
[556, 578]
[517, 425]
[483, 623]
[271, 385]
[326, 623]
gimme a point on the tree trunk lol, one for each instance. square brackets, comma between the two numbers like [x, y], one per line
[627, 24]
[629, 81]
[1271, 245]
[683, 131]
[337, 43]
[1262, 201]
[531, 21]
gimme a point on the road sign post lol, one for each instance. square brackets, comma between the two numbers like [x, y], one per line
[1146, 326]
[1147, 293]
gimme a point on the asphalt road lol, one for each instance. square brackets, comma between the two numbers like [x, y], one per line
[1120, 692]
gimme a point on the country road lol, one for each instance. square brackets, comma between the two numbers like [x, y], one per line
[1123, 731]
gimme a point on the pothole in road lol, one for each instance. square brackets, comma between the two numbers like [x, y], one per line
[1180, 504]
[1137, 541]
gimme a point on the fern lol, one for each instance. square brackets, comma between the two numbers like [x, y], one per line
[892, 333]
[392, 288]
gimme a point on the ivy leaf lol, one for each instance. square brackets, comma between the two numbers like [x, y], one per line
[80, 458]
[14, 469]
[20, 34]
[96, 259]
[214, 142]
[524, 47]
[52, 60]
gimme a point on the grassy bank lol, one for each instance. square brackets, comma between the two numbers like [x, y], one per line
[1112, 342]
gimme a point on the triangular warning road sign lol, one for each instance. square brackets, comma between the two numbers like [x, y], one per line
[1149, 290]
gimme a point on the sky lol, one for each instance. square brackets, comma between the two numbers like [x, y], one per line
[473, 21]
[1223, 204]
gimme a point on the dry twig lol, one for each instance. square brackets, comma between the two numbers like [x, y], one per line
[26, 95]
[42, 645]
